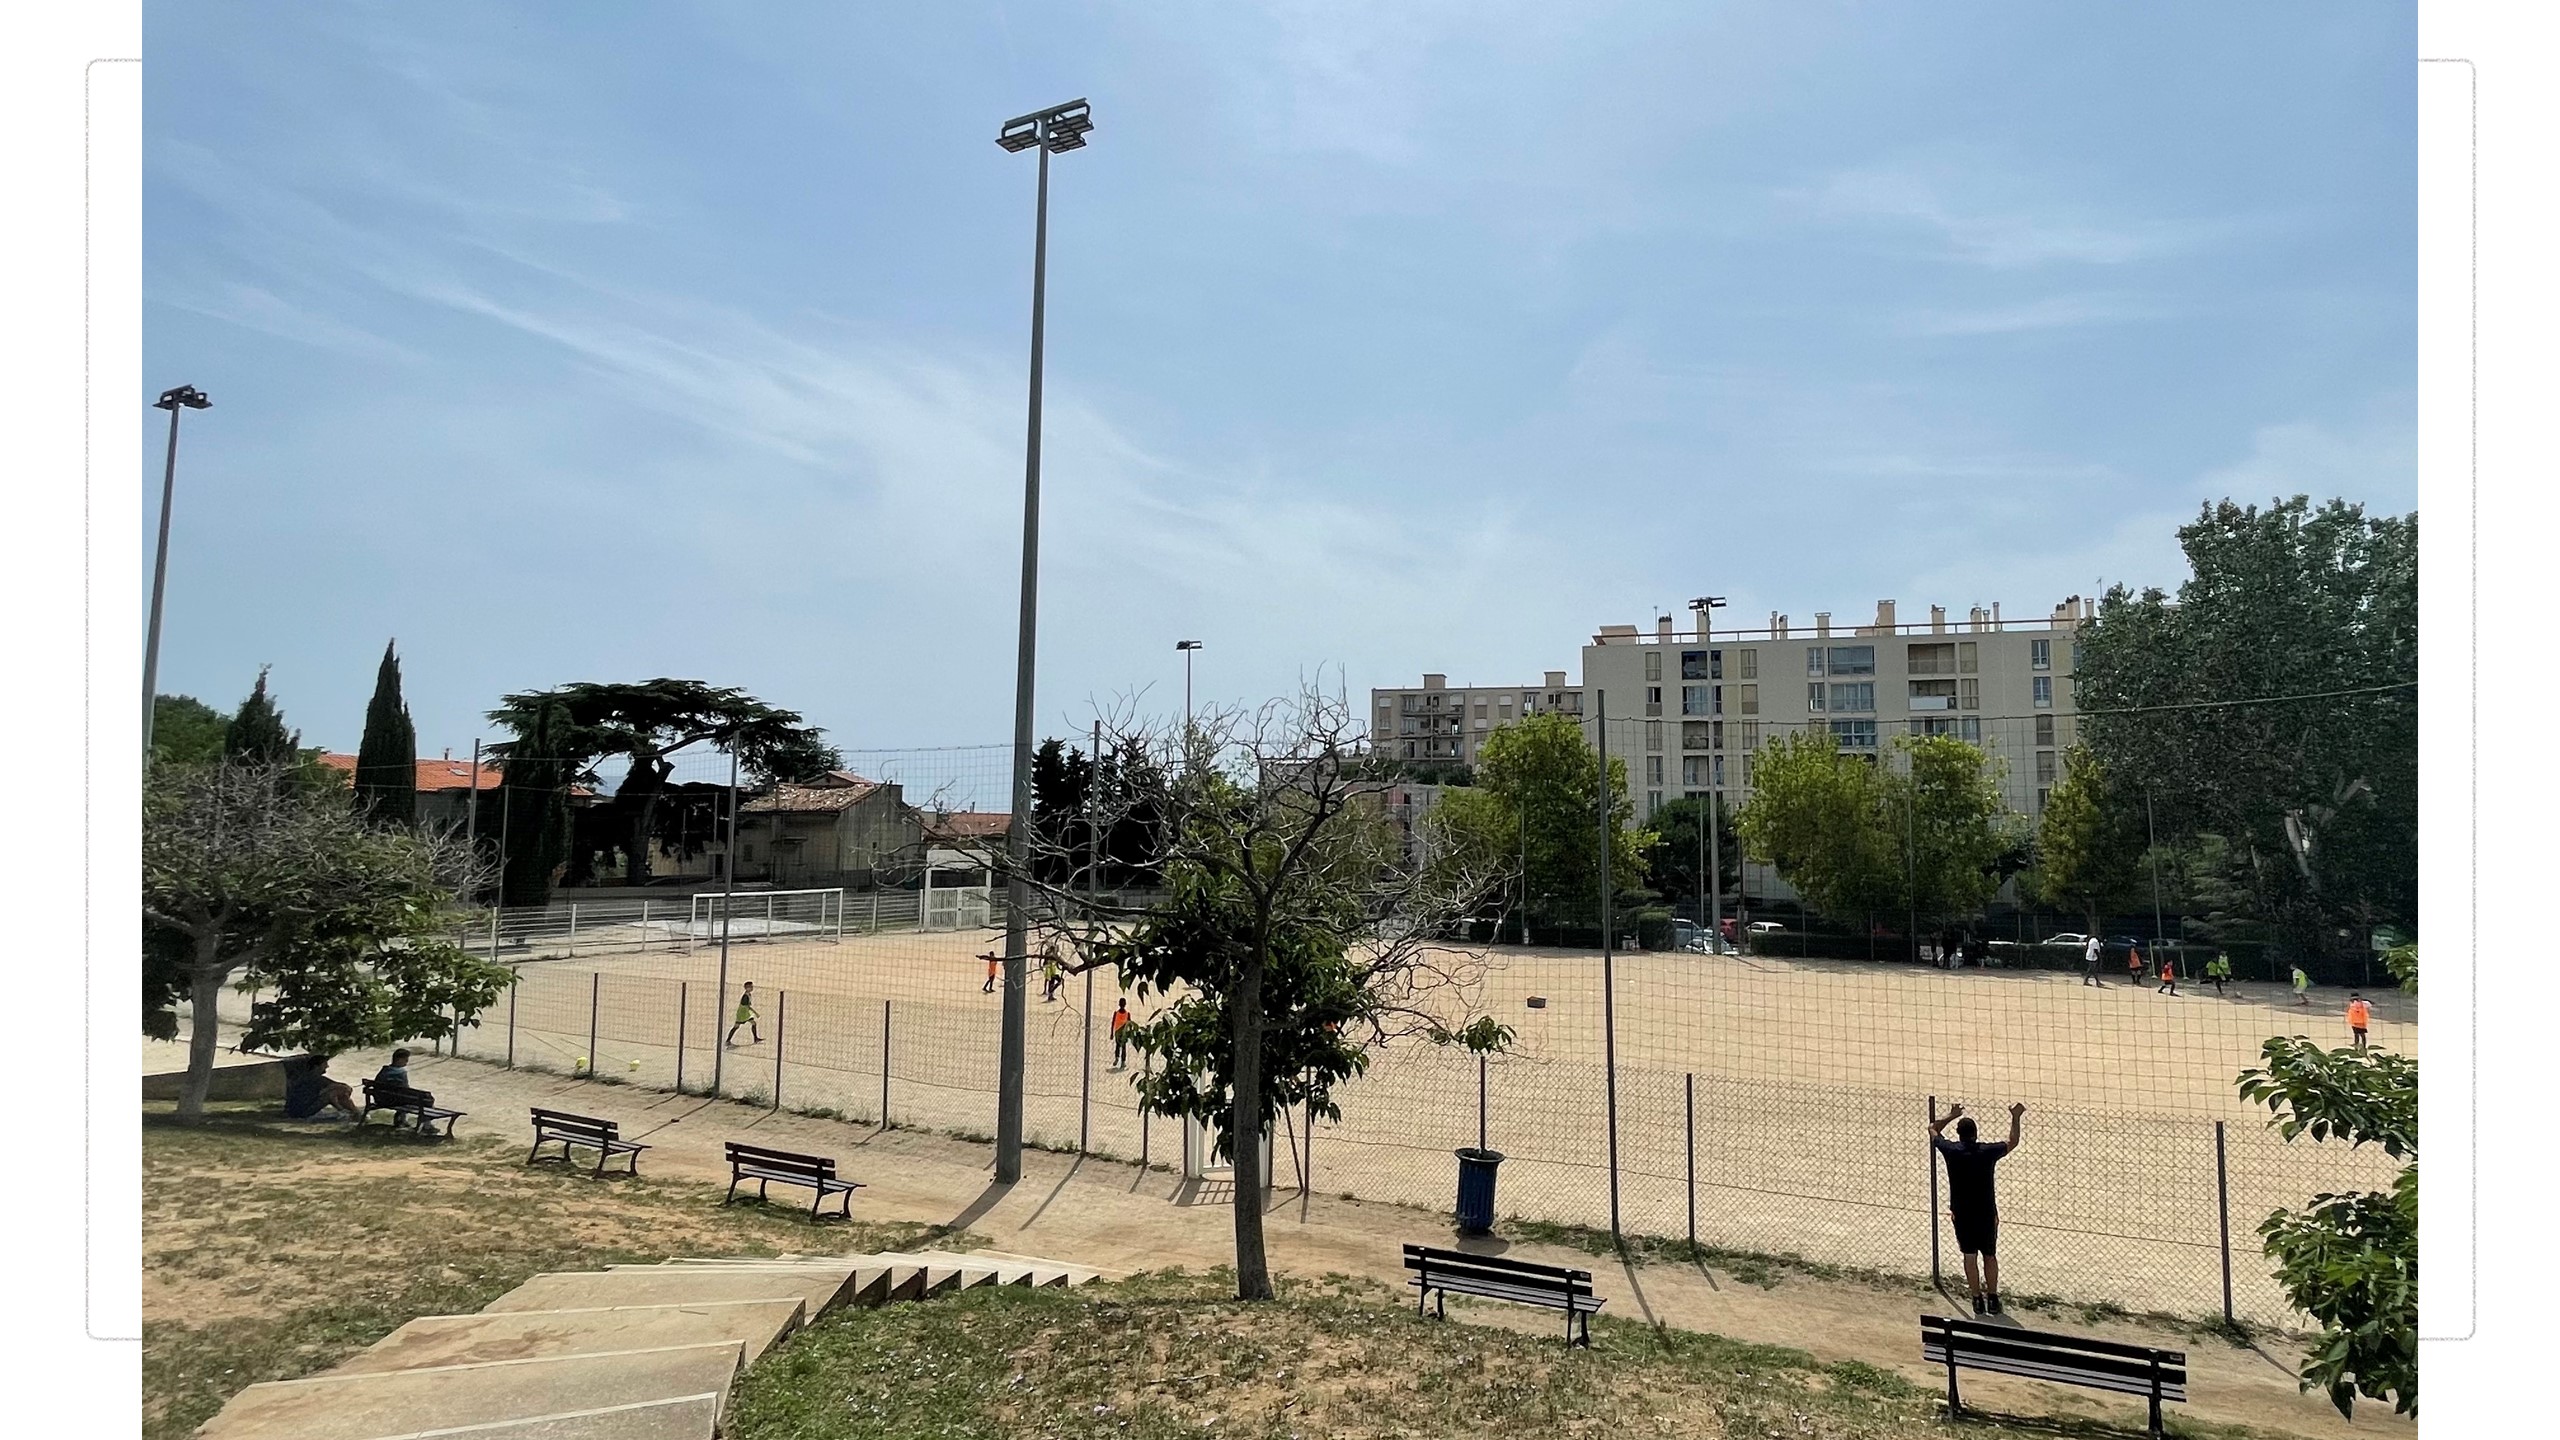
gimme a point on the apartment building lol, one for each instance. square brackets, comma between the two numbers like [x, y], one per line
[1696, 704]
[1448, 724]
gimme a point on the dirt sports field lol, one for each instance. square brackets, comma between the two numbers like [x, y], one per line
[1795, 1092]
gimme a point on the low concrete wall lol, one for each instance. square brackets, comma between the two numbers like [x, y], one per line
[256, 1080]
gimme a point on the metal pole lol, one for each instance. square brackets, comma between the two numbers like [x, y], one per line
[884, 1064]
[2151, 835]
[1017, 845]
[1933, 1196]
[1608, 960]
[573, 927]
[515, 980]
[728, 891]
[1146, 1066]
[1911, 852]
[595, 1002]
[2222, 1199]
[1689, 1114]
[681, 998]
[159, 581]
[1715, 859]
[1084, 1100]
[471, 808]
[778, 997]
[1481, 1142]
[506, 827]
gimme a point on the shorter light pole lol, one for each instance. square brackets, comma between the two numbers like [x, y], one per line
[190, 398]
[1188, 649]
[1706, 606]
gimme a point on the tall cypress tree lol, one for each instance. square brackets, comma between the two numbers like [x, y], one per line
[256, 735]
[386, 761]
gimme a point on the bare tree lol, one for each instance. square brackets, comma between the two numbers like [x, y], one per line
[1292, 933]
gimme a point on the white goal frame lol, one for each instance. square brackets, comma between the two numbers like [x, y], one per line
[759, 914]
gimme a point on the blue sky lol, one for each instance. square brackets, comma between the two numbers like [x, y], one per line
[604, 342]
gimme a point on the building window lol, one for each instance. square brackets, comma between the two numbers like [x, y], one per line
[1695, 735]
[2044, 729]
[1749, 739]
[1408, 749]
[2075, 657]
[1413, 704]
[1653, 769]
[1742, 771]
[1693, 771]
[1857, 698]
[1746, 664]
[2044, 692]
[1718, 727]
[1750, 698]
[2044, 767]
[1813, 660]
[1971, 730]
[1573, 701]
[1934, 659]
[2040, 654]
[1932, 725]
[1701, 665]
[1969, 694]
[1653, 734]
[1528, 700]
[1481, 722]
[1854, 734]
[1652, 802]
[1968, 656]
[1932, 694]
[1653, 699]
[1697, 700]
[1719, 771]
[1852, 659]
[1813, 694]
[1653, 664]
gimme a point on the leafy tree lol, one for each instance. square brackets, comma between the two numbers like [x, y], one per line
[257, 734]
[387, 757]
[186, 731]
[1956, 829]
[648, 723]
[1819, 816]
[533, 806]
[248, 877]
[2349, 1260]
[1678, 865]
[2089, 843]
[2315, 798]
[1290, 938]
[1061, 787]
[1546, 777]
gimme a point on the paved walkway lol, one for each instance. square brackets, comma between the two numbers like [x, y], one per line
[1112, 1217]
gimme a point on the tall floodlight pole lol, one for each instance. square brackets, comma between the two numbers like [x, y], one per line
[1059, 128]
[1608, 958]
[186, 397]
[1706, 607]
[2151, 838]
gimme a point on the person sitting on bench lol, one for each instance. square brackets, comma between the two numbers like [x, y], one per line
[308, 1090]
[1970, 1201]
[395, 1076]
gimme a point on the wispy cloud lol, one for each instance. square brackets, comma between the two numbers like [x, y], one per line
[2000, 234]
[2051, 312]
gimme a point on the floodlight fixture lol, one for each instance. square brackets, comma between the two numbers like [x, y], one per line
[1058, 129]
[187, 395]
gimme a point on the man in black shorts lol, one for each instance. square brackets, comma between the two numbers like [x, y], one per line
[1970, 1202]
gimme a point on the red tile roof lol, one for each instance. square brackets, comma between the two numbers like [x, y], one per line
[433, 775]
[970, 825]
[840, 791]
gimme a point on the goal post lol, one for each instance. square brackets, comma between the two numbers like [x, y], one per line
[767, 914]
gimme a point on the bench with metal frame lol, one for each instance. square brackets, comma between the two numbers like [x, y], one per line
[401, 1100]
[1438, 1274]
[559, 1127]
[764, 1165]
[2144, 1370]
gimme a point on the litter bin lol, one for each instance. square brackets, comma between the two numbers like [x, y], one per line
[1475, 1190]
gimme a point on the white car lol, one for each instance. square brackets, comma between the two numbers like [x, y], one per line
[1766, 927]
[2068, 940]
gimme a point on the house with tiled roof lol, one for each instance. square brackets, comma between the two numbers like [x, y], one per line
[444, 786]
[840, 829]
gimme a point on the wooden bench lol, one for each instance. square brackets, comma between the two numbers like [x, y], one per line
[764, 1166]
[1438, 1274]
[559, 1127]
[419, 1106]
[2048, 1355]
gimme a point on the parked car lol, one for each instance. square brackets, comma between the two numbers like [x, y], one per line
[1766, 927]
[1689, 935]
[2067, 940]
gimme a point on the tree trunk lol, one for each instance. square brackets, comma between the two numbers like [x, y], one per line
[638, 794]
[1244, 1133]
[205, 1014]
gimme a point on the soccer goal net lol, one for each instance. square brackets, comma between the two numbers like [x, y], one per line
[768, 915]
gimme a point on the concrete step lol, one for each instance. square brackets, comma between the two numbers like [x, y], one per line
[697, 1418]
[821, 1289]
[1076, 1274]
[444, 1340]
[373, 1405]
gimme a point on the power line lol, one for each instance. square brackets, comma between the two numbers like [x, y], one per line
[2259, 700]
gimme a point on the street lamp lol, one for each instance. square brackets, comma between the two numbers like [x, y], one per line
[1059, 128]
[1186, 647]
[185, 397]
[1705, 607]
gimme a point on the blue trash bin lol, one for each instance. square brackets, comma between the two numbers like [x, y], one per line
[1475, 1190]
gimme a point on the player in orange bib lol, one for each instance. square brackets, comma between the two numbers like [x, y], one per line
[2359, 1016]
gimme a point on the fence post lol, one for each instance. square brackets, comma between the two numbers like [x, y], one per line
[1084, 1101]
[884, 1062]
[1934, 1276]
[779, 996]
[493, 933]
[595, 1002]
[1146, 1066]
[1689, 1123]
[515, 979]
[768, 901]
[573, 927]
[644, 924]
[680, 1018]
[2222, 1197]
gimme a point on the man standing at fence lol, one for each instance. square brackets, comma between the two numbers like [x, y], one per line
[1120, 1037]
[2090, 955]
[746, 1016]
[2359, 1016]
[1971, 1203]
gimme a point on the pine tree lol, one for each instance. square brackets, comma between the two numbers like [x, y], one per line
[257, 735]
[386, 760]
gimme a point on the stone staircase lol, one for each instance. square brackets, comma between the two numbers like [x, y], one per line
[629, 1352]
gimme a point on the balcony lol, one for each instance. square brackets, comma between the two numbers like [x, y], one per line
[1933, 702]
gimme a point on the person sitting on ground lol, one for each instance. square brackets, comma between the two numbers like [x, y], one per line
[1971, 1203]
[395, 1076]
[308, 1090]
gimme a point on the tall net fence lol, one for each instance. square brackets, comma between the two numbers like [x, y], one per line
[1760, 1102]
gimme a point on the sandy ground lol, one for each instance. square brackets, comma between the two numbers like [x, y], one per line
[1115, 1217]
